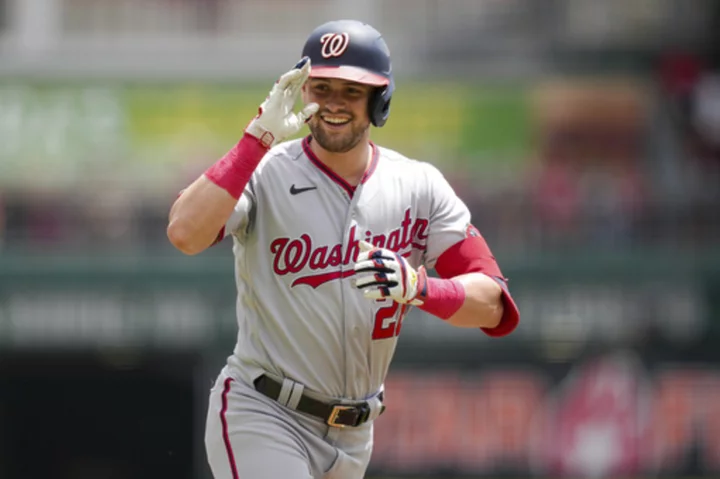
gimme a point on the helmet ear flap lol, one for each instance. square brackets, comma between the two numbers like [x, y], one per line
[379, 105]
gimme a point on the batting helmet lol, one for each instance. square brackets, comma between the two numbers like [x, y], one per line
[355, 51]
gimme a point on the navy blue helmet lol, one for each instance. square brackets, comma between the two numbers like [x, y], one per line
[355, 51]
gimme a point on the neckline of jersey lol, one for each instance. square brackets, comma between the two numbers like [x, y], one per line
[334, 176]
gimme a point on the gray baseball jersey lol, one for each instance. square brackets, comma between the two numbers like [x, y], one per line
[295, 234]
[296, 231]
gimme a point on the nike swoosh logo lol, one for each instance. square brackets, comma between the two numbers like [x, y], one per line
[295, 191]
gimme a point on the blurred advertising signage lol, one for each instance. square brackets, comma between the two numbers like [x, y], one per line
[72, 319]
[597, 311]
[72, 313]
[607, 417]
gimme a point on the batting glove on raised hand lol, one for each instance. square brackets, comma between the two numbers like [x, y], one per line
[382, 273]
[276, 120]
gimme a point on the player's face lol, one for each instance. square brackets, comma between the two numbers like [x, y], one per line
[342, 120]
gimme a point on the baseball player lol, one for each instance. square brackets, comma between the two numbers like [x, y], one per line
[331, 237]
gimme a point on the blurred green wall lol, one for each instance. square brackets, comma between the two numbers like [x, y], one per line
[70, 131]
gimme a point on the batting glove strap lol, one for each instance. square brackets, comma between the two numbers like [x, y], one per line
[276, 119]
[382, 273]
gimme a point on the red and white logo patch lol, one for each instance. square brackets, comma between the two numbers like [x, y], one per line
[334, 44]
[471, 232]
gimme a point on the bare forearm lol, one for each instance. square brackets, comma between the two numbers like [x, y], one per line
[204, 207]
[483, 306]
[198, 215]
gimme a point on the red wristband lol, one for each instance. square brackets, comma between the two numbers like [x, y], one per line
[232, 172]
[442, 297]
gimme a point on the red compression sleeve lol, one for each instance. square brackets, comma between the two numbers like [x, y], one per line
[442, 297]
[473, 255]
[232, 172]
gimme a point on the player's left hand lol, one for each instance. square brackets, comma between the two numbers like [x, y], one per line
[382, 273]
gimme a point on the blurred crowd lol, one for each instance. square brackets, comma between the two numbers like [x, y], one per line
[610, 169]
[614, 163]
[618, 170]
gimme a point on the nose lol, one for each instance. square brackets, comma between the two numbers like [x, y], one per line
[335, 101]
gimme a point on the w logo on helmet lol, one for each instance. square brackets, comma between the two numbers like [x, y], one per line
[334, 44]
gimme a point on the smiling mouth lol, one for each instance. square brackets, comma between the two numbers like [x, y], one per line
[333, 121]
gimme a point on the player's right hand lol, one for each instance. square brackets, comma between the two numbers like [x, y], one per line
[276, 119]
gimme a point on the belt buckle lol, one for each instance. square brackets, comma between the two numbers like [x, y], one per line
[337, 409]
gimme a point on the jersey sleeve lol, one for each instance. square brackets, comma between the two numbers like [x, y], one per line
[449, 217]
[456, 247]
[241, 219]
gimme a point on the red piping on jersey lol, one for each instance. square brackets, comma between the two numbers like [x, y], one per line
[334, 176]
[226, 435]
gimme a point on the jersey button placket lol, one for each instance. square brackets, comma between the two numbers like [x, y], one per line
[349, 328]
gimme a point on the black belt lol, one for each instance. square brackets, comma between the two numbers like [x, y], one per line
[333, 414]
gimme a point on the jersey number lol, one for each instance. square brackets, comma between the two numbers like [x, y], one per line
[387, 321]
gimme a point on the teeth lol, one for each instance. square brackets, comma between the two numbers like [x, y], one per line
[336, 121]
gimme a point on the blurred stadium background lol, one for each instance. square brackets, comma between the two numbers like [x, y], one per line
[583, 134]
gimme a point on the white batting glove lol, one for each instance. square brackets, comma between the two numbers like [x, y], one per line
[276, 120]
[382, 273]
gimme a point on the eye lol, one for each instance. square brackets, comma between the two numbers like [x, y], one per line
[320, 87]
